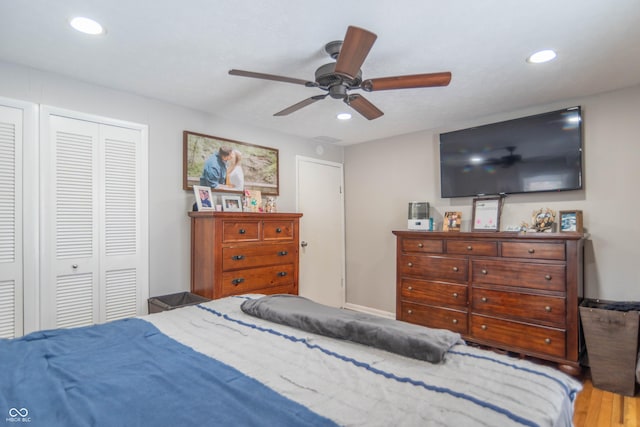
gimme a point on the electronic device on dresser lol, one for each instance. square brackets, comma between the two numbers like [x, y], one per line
[516, 292]
[529, 154]
[235, 253]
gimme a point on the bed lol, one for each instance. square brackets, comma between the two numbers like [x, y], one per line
[213, 364]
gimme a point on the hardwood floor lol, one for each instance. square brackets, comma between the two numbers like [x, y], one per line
[599, 408]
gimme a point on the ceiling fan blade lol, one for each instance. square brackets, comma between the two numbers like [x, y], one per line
[355, 48]
[407, 82]
[299, 105]
[362, 106]
[264, 76]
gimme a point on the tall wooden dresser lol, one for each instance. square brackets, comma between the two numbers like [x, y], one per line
[517, 292]
[234, 253]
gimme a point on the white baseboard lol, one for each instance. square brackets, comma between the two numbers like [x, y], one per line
[369, 310]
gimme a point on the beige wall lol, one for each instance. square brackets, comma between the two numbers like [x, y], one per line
[382, 176]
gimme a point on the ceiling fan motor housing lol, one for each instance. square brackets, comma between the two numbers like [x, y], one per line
[336, 84]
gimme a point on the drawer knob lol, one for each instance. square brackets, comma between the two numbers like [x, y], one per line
[242, 231]
[410, 288]
[547, 309]
[454, 321]
[237, 257]
[278, 230]
[469, 248]
[455, 295]
[410, 264]
[282, 273]
[547, 277]
[283, 253]
[483, 327]
[484, 299]
[484, 272]
[409, 311]
[236, 282]
[455, 268]
[531, 250]
[420, 245]
[547, 340]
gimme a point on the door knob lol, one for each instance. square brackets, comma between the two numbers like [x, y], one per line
[303, 244]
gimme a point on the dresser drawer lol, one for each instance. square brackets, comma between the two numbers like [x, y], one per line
[540, 339]
[240, 231]
[434, 267]
[538, 308]
[434, 317]
[423, 245]
[550, 277]
[277, 230]
[533, 250]
[239, 257]
[434, 293]
[461, 247]
[255, 279]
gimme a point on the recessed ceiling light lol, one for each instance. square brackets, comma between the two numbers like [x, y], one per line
[86, 25]
[542, 56]
[343, 116]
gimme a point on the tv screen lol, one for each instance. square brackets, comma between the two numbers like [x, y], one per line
[529, 154]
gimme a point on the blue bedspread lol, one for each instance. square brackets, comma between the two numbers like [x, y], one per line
[127, 373]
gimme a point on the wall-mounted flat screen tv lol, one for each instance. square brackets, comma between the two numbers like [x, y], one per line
[529, 154]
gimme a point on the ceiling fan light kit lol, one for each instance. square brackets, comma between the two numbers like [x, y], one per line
[344, 75]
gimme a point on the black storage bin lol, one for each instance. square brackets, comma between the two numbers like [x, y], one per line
[611, 335]
[169, 302]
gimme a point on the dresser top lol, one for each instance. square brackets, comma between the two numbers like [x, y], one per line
[501, 235]
[244, 215]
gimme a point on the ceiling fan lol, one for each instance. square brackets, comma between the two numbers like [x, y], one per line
[344, 75]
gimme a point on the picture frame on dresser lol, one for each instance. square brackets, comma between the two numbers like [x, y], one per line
[486, 214]
[570, 221]
[452, 221]
[231, 203]
[204, 198]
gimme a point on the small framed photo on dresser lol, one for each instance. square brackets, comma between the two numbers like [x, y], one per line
[570, 221]
[486, 214]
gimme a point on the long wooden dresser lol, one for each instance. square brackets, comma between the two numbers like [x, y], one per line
[234, 253]
[512, 291]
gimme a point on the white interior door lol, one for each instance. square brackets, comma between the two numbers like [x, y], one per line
[320, 199]
[11, 279]
[94, 250]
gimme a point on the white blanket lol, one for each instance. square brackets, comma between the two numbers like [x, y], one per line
[355, 385]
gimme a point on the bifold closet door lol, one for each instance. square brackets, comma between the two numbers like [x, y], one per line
[11, 277]
[93, 258]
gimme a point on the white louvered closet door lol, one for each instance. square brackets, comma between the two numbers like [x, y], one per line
[94, 259]
[11, 277]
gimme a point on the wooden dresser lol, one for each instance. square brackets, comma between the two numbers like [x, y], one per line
[516, 292]
[241, 252]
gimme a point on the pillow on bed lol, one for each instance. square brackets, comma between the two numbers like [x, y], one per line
[395, 336]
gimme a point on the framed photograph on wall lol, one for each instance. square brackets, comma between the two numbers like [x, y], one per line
[570, 221]
[248, 166]
[204, 198]
[231, 203]
[486, 214]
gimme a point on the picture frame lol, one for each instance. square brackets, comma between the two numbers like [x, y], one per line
[231, 203]
[452, 221]
[258, 165]
[204, 198]
[570, 221]
[486, 214]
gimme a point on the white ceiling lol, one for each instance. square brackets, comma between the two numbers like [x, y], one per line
[181, 51]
